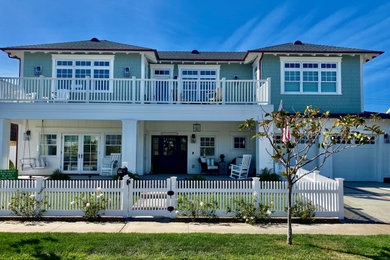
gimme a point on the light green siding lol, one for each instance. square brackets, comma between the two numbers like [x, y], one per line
[131, 60]
[32, 60]
[348, 102]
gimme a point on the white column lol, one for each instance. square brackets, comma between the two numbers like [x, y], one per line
[5, 132]
[129, 144]
[263, 151]
[379, 141]
[140, 148]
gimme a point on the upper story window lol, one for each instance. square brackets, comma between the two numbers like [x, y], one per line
[302, 75]
[81, 67]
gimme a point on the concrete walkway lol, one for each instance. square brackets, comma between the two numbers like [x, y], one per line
[180, 227]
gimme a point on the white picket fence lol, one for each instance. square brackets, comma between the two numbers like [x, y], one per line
[130, 198]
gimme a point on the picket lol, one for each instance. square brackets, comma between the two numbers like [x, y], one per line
[130, 198]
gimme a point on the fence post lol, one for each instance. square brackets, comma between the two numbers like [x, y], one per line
[133, 89]
[173, 197]
[256, 188]
[315, 176]
[39, 186]
[223, 91]
[126, 200]
[340, 182]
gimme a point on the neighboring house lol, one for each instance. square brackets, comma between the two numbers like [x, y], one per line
[75, 103]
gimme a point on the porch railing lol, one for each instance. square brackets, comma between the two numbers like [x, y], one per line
[140, 91]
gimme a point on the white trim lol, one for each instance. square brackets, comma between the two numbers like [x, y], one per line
[361, 85]
[154, 67]
[200, 146]
[200, 67]
[319, 60]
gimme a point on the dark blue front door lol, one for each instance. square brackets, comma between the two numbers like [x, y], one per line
[169, 154]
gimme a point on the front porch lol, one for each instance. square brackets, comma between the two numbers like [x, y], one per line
[153, 149]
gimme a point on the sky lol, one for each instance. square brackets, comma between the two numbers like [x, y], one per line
[208, 25]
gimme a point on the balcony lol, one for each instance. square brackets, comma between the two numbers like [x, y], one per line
[134, 91]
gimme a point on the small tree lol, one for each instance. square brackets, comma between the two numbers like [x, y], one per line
[301, 132]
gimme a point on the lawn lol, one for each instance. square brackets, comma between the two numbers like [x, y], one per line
[189, 246]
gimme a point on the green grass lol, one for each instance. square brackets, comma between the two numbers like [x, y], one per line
[189, 246]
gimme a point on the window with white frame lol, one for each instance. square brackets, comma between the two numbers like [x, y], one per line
[113, 144]
[98, 68]
[207, 146]
[49, 144]
[239, 142]
[310, 76]
[198, 81]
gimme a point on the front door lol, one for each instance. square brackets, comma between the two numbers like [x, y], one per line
[169, 154]
[80, 153]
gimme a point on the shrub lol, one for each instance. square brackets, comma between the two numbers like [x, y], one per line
[11, 165]
[305, 211]
[250, 211]
[197, 178]
[268, 175]
[196, 207]
[58, 175]
[92, 204]
[27, 205]
[134, 176]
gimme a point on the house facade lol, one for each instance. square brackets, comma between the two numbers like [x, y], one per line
[76, 103]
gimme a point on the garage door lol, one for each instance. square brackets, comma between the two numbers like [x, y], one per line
[356, 164]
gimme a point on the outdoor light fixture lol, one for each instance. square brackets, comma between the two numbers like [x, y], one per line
[37, 70]
[126, 72]
[193, 138]
[196, 127]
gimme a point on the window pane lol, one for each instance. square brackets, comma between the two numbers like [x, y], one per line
[310, 87]
[328, 87]
[291, 86]
[239, 142]
[49, 144]
[113, 144]
[207, 146]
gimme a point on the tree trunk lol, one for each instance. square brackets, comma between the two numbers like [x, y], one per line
[289, 202]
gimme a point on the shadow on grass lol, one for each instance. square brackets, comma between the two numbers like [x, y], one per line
[35, 248]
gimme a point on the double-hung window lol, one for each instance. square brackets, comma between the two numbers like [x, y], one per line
[207, 146]
[199, 82]
[310, 75]
[113, 144]
[80, 68]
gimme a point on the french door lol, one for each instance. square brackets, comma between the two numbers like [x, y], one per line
[80, 153]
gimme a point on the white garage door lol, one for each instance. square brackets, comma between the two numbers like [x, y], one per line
[356, 164]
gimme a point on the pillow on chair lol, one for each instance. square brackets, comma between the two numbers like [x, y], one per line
[210, 161]
[203, 160]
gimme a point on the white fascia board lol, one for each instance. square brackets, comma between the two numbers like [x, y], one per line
[184, 112]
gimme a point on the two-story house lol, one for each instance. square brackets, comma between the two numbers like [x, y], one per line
[76, 103]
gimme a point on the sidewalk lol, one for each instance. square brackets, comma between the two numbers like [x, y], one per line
[179, 227]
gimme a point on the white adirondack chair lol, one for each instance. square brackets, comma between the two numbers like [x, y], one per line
[111, 164]
[241, 171]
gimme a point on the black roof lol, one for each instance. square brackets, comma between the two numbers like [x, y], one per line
[93, 44]
[300, 47]
[200, 55]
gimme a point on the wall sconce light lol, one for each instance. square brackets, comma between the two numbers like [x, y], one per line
[126, 72]
[236, 77]
[193, 138]
[37, 71]
[196, 127]
[27, 135]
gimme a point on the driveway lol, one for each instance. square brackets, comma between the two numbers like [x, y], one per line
[367, 202]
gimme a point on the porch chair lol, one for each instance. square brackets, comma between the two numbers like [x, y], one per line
[241, 171]
[216, 96]
[61, 95]
[208, 165]
[111, 164]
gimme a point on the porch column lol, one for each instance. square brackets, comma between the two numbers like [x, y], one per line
[263, 151]
[5, 132]
[129, 144]
[140, 147]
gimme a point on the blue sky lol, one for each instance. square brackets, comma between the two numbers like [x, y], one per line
[208, 25]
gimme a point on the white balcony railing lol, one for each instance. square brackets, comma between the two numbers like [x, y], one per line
[139, 91]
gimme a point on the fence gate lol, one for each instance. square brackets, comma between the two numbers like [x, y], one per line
[151, 197]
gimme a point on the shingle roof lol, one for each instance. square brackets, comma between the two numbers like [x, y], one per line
[93, 44]
[212, 56]
[300, 47]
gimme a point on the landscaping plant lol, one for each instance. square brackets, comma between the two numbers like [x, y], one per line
[267, 175]
[194, 207]
[301, 132]
[305, 211]
[251, 211]
[92, 204]
[27, 205]
[58, 175]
